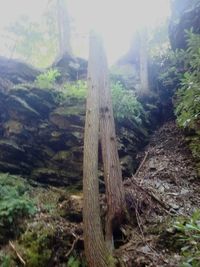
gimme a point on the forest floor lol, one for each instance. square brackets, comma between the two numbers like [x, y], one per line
[165, 189]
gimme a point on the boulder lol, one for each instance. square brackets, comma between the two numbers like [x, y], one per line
[71, 68]
[16, 71]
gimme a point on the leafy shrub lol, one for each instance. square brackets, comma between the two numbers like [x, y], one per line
[5, 260]
[76, 90]
[36, 244]
[189, 238]
[188, 108]
[125, 104]
[166, 70]
[194, 145]
[188, 96]
[73, 262]
[47, 79]
[14, 204]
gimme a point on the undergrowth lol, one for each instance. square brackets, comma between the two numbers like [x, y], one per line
[5, 260]
[188, 102]
[37, 243]
[75, 262]
[15, 205]
[125, 104]
[188, 238]
[188, 96]
[47, 79]
[76, 90]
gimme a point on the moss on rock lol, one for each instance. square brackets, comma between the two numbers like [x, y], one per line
[62, 155]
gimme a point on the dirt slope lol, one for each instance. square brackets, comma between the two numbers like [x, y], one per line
[164, 188]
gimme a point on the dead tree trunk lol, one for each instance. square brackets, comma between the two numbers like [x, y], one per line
[63, 29]
[112, 171]
[144, 79]
[96, 252]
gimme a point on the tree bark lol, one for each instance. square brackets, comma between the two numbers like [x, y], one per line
[144, 79]
[63, 29]
[112, 171]
[96, 252]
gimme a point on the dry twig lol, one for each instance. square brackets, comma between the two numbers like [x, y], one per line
[72, 247]
[142, 163]
[17, 253]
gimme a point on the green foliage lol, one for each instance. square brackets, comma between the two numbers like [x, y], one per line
[188, 108]
[188, 96]
[193, 51]
[73, 262]
[166, 70]
[174, 66]
[14, 204]
[47, 79]
[5, 260]
[189, 239]
[36, 244]
[125, 104]
[76, 90]
[165, 65]
[168, 67]
[195, 145]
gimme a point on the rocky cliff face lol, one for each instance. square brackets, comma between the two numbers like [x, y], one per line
[185, 16]
[43, 139]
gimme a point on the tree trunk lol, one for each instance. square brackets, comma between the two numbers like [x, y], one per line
[112, 170]
[96, 252]
[63, 29]
[144, 79]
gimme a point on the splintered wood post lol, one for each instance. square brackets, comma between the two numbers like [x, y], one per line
[112, 170]
[96, 252]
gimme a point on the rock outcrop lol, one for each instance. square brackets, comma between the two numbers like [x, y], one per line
[71, 68]
[42, 138]
[185, 16]
[16, 71]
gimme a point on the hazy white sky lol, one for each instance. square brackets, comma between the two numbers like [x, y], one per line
[117, 20]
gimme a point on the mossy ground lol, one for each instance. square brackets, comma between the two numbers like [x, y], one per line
[45, 238]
